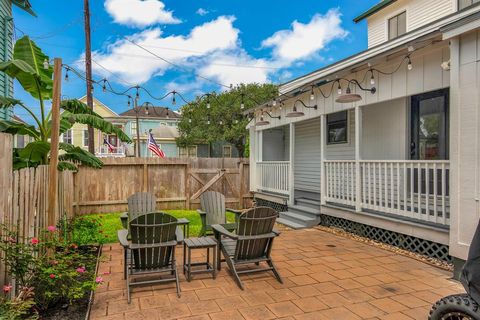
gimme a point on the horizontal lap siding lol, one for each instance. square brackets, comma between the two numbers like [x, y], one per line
[307, 156]
[6, 49]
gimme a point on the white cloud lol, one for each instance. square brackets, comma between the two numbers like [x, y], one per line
[304, 40]
[136, 65]
[139, 13]
[202, 12]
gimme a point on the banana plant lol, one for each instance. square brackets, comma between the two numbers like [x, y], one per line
[27, 67]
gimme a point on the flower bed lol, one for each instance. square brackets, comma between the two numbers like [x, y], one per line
[54, 276]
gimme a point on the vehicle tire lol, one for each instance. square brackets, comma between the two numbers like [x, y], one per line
[455, 307]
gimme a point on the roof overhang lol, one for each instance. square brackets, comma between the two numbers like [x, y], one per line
[25, 5]
[379, 6]
[431, 30]
[465, 25]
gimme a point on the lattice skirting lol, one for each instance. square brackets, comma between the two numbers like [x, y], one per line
[265, 203]
[414, 244]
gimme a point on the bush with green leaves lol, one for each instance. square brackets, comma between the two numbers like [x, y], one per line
[27, 67]
[54, 269]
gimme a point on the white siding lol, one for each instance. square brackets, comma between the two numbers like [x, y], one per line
[343, 151]
[307, 156]
[464, 142]
[419, 13]
[384, 134]
[275, 144]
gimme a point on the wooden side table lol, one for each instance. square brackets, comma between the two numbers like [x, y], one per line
[199, 243]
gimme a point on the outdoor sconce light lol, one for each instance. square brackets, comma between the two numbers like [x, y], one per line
[264, 122]
[349, 97]
[294, 113]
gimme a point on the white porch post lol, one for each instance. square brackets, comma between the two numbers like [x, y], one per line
[322, 158]
[291, 182]
[358, 141]
[253, 158]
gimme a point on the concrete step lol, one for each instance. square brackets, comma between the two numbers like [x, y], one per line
[300, 219]
[304, 210]
[290, 224]
[304, 202]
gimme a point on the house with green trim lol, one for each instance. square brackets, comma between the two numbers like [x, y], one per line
[6, 45]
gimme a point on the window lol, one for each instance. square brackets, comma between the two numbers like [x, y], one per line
[133, 129]
[85, 137]
[20, 141]
[462, 4]
[337, 127]
[397, 25]
[188, 152]
[67, 136]
[227, 151]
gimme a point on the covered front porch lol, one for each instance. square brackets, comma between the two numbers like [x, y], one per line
[388, 159]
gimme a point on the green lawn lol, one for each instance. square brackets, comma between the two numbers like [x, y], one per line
[109, 223]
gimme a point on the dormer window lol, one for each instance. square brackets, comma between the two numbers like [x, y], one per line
[397, 25]
[462, 4]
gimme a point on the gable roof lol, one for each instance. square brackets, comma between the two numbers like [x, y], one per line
[98, 103]
[379, 6]
[153, 112]
[17, 119]
[25, 5]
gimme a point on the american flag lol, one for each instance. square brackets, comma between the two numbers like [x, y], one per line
[153, 146]
[110, 146]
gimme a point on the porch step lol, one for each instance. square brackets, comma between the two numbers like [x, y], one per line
[305, 202]
[305, 221]
[290, 224]
[304, 210]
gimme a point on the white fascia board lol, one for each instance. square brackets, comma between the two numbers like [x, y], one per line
[467, 27]
[361, 58]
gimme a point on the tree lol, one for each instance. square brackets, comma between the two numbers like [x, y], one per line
[224, 120]
[27, 67]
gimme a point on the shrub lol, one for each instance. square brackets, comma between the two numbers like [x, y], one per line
[56, 270]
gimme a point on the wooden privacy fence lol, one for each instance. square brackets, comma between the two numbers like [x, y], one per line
[176, 183]
[23, 197]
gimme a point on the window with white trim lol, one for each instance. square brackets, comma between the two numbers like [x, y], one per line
[337, 127]
[85, 137]
[67, 136]
[227, 151]
[188, 152]
[133, 128]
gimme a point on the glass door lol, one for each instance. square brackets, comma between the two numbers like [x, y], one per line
[429, 135]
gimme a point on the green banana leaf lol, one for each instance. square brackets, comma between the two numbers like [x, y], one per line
[34, 151]
[64, 165]
[13, 127]
[6, 102]
[78, 155]
[77, 107]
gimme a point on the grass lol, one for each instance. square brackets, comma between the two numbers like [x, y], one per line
[109, 223]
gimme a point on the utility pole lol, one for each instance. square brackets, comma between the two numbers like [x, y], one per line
[137, 110]
[88, 71]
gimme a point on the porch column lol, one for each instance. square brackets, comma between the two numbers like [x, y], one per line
[291, 182]
[253, 158]
[322, 158]
[358, 147]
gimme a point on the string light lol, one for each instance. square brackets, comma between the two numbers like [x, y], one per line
[312, 94]
[409, 64]
[242, 103]
[189, 120]
[372, 79]
[46, 64]
[66, 75]
[104, 86]
[274, 102]
[174, 102]
[208, 101]
[339, 90]
[137, 94]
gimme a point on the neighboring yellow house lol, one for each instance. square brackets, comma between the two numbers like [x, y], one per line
[78, 134]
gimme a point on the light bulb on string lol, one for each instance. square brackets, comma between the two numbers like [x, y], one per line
[372, 79]
[46, 64]
[189, 120]
[174, 101]
[208, 101]
[242, 103]
[220, 122]
[339, 89]
[128, 103]
[137, 94]
[104, 86]
[274, 102]
[66, 75]
[208, 121]
[409, 64]
[312, 95]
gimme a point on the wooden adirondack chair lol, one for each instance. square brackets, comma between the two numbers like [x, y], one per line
[138, 203]
[151, 249]
[214, 212]
[251, 244]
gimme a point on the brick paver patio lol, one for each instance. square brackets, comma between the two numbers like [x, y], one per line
[325, 277]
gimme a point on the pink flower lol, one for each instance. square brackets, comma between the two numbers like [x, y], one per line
[51, 228]
[7, 288]
[52, 276]
[98, 279]
[81, 270]
[34, 241]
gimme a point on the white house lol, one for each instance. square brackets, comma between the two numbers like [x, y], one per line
[385, 143]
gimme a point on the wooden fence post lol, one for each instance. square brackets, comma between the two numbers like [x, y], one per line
[53, 185]
[187, 186]
[241, 189]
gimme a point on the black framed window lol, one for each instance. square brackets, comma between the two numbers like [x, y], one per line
[337, 127]
[397, 25]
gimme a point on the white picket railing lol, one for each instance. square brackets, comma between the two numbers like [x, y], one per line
[273, 176]
[104, 151]
[410, 188]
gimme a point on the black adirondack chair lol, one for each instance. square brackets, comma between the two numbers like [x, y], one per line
[251, 244]
[214, 212]
[151, 249]
[139, 203]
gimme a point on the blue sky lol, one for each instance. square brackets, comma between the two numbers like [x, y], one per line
[228, 42]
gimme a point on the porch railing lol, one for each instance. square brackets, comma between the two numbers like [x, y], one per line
[273, 176]
[104, 151]
[409, 188]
